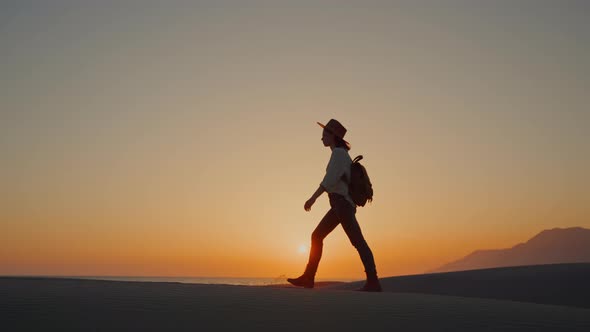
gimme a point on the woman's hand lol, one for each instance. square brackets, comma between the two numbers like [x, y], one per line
[315, 195]
[308, 204]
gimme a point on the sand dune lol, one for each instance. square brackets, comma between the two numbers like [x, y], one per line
[561, 284]
[36, 304]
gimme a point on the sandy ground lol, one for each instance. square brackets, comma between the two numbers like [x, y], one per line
[49, 304]
[560, 284]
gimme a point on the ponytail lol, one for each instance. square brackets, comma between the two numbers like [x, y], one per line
[340, 143]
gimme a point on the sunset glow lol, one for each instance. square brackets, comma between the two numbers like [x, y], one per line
[303, 249]
[181, 140]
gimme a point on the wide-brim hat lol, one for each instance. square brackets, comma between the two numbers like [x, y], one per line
[335, 128]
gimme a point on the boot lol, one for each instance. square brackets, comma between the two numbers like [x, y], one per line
[303, 281]
[371, 285]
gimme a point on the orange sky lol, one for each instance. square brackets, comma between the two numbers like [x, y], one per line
[181, 140]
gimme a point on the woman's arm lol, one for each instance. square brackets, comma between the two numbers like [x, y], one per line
[318, 193]
[315, 195]
[334, 172]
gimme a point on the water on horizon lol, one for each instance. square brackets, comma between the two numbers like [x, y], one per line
[198, 280]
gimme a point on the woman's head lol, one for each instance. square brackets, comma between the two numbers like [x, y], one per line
[328, 138]
[333, 134]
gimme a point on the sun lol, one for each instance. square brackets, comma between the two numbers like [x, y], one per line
[302, 249]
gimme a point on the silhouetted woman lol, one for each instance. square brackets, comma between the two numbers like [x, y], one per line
[342, 211]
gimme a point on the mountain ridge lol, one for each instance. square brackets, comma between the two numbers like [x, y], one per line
[550, 246]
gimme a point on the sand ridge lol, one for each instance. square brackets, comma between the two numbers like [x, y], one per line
[31, 304]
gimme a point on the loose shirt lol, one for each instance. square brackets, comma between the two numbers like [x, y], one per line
[338, 173]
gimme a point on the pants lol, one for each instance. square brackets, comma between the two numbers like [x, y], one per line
[341, 212]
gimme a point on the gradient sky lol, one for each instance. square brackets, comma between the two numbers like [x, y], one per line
[178, 138]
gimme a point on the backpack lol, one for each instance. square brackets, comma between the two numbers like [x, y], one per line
[359, 186]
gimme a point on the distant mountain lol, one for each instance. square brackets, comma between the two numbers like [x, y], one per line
[558, 245]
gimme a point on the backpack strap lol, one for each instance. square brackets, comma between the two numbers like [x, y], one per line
[356, 159]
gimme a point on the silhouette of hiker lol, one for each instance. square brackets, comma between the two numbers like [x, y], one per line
[342, 211]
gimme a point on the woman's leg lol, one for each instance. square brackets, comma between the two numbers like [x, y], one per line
[351, 226]
[326, 225]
